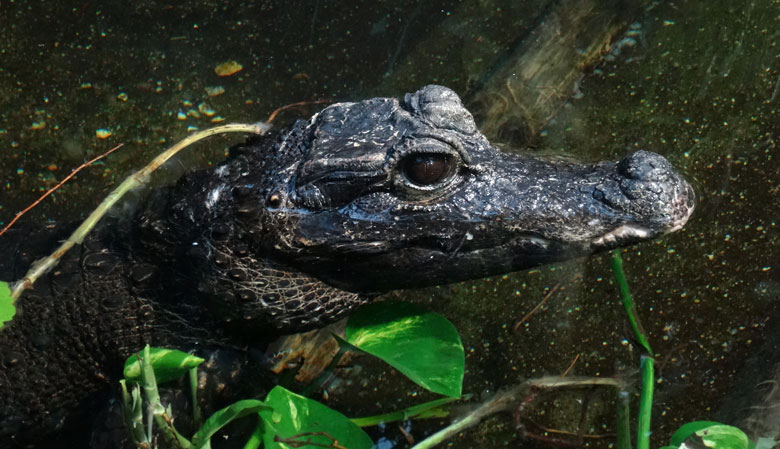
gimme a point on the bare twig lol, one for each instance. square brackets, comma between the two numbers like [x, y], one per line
[59, 184]
[138, 178]
[538, 306]
[571, 365]
[507, 400]
[290, 106]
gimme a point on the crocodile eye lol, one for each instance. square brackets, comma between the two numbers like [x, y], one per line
[428, 169]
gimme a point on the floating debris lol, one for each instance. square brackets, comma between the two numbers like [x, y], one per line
[122, 96]
[38, 125]
[213, 91]
[206, 110]
[102, 133]
[228, 68]
[181, 116]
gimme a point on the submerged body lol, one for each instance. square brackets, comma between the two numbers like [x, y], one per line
[295, 229]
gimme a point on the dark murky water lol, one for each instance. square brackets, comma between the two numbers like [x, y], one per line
[698, 82]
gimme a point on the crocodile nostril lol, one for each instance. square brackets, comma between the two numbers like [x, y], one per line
[645, 166]
[275, 200]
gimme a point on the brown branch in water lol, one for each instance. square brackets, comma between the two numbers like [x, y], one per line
[290, 106]
[92, 161]
[538, 306]
[59, 184]
[571, 365]
[409, 437]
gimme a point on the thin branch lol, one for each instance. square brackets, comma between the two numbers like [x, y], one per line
[538, 306]
[59, 184]
[138, 178]
[290, 106]
[571, 365]
[507, 400]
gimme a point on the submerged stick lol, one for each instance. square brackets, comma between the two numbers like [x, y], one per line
[57, 186]
[137, 179]
[507, 400]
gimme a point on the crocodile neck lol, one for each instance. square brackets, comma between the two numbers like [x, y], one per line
[194, 235]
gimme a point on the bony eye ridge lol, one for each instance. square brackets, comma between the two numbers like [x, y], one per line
[427, 169]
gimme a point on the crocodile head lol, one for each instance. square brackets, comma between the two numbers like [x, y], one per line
[382, 194]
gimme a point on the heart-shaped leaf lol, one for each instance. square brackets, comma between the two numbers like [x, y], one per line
[421, 344]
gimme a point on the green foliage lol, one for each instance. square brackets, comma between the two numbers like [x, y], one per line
[297, 421]
[705, 434]
[223, 417]
[168, 364]
[421, 344]
[431, 409]
[689, 429]
[7, 308]
[709, 434]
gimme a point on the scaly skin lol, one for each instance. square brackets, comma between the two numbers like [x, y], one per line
[295, 229]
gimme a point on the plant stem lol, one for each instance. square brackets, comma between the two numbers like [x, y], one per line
[623, 420]
[645, 404]
[197, 417]
[647, 361]
[430, 409]
[156, 409]
[628, 302]
[321, 380]
[133, 413]
[39, 267]
[256, 438]
[507, 400]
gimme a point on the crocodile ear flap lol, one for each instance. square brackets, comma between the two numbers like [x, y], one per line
[440, 107]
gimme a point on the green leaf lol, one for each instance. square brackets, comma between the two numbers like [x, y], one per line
[689, 429]
[421, 344]
[297, 420]
[710, 434]
[432, 409]
[168, 364]
[7, 308]
[722, 436]
[224, 417]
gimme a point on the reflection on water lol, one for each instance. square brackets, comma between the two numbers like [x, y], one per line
[698, 82]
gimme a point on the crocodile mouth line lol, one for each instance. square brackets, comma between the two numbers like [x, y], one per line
[623, 233]
[679, 223]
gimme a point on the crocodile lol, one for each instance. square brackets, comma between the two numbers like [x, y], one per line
[295, 229]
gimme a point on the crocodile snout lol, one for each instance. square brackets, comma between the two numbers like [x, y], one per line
[652, 192]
